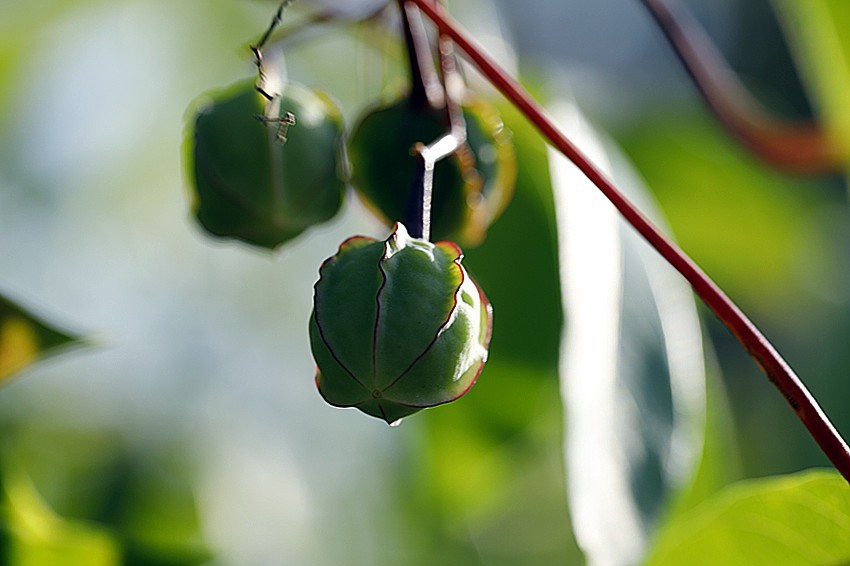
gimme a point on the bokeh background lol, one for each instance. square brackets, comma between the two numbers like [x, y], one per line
[189, 429]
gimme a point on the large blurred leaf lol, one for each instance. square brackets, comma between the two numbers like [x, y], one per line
[792, 520]
[777, 245]
[33, 535]
[141, 499]
[25, 339]
[720, 462]
[742, 222]
[153, 507]
[632, 367]
[523, 244]
[819, 31]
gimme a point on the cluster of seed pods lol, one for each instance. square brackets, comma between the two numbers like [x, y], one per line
[398, 325]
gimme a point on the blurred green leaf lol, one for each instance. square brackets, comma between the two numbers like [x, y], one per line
[33, 535]
[777, 245]
[523, 242]
[144, 498]
[632, 365]
[720, 462]
[802, 519]
[25, 339]
[741, 222]
[818, 30]
[154, 509]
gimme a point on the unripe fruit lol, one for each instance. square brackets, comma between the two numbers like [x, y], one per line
[471, 188]
[397, 326]
[260, 182]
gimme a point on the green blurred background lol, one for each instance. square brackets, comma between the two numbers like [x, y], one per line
[191, 431]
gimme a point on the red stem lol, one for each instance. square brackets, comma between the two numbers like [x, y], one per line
[778, 371]
[796, 147]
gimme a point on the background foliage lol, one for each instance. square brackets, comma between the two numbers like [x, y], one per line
[192, 429]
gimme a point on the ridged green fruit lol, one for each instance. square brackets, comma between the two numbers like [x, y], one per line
[253, 183]
[397, 326]
[470, 189]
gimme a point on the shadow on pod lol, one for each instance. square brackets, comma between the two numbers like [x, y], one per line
[264, 183]
[397, 326]
[471, 188]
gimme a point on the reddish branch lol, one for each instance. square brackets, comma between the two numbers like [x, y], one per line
[798, 147]
[779, 372]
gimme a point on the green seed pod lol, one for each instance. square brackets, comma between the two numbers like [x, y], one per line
[264, 171]
[397, 326]
[470, 189]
